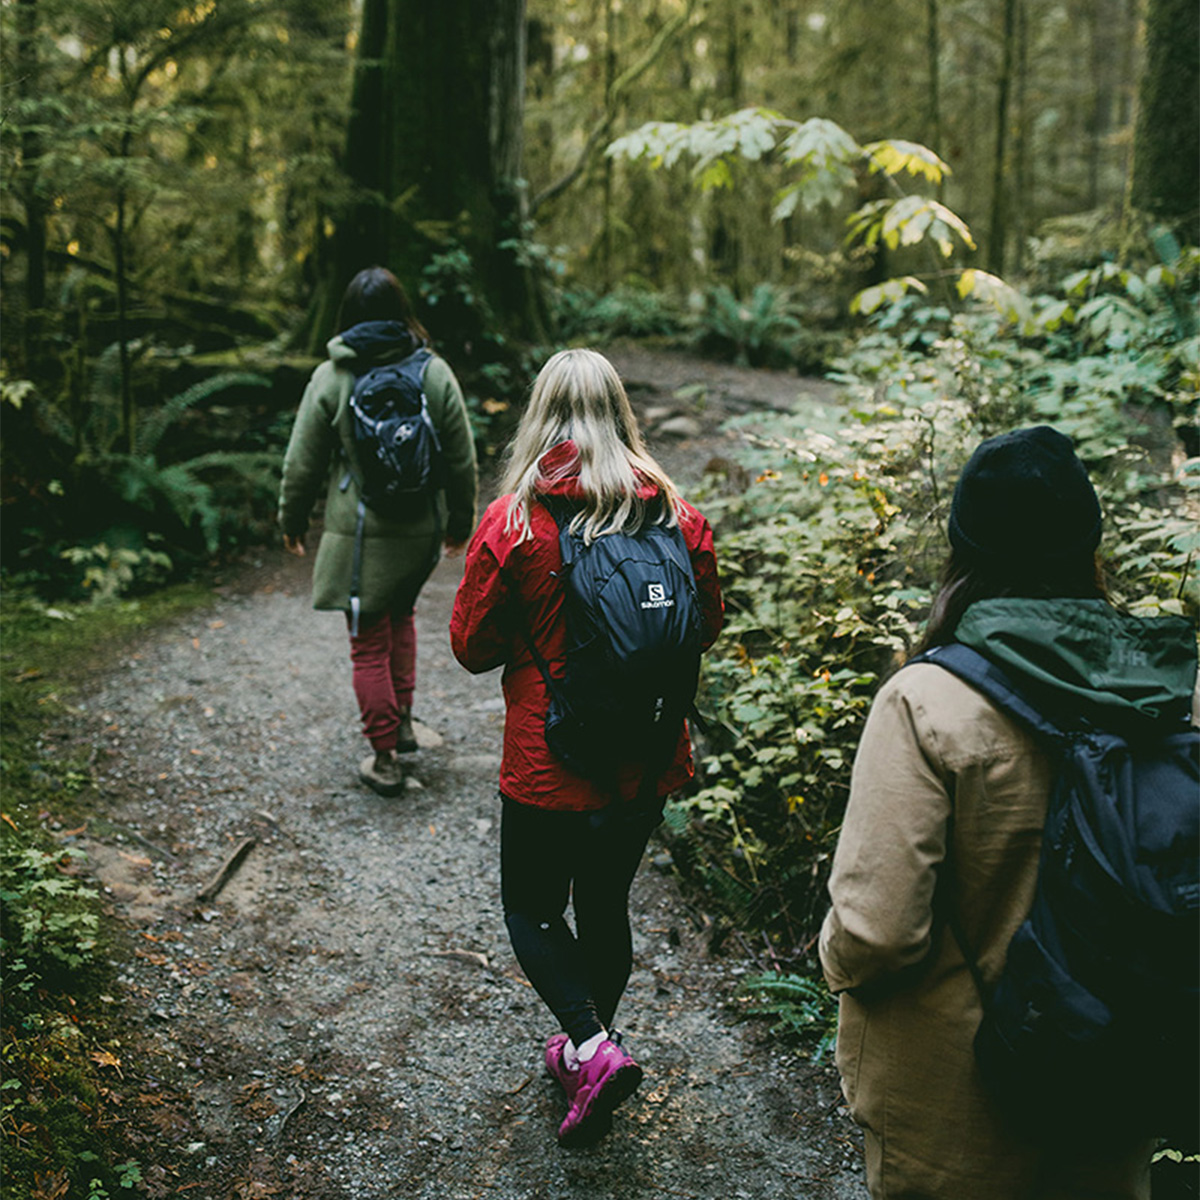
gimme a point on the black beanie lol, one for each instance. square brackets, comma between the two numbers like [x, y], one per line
[1025, 498]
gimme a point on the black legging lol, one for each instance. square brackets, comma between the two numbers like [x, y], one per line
[547, 857]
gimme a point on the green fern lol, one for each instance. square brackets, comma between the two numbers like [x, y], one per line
[190, 490]
[152, 427]
[733, 896]
[800, 1009]
[765, 327]
[99, 424]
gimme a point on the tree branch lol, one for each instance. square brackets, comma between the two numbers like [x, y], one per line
[653, 52]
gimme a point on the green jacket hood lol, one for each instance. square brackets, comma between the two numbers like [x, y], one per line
[371, 342]
[1088, 658]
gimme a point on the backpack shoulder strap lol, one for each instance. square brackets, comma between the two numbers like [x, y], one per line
[991, 680]
[416, 364]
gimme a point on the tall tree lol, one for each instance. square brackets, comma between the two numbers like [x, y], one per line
[31, 186]
[434, 148]
[1167, 140]
[998, 225]
[933, 44]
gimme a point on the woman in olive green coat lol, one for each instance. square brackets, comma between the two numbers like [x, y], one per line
[377, 326]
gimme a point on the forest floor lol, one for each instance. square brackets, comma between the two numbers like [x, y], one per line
[344, 1019]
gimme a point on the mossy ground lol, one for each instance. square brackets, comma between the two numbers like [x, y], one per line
[71, 1080]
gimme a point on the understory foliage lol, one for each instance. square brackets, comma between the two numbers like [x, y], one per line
[89, 518]
[831, 554]
[70, 1085]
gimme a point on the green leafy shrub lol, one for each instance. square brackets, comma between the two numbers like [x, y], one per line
[64, 1117]
[797, 1006]
[765, 330]
[831, 556]
[103, 519]
[109, 574]
[49, 919]
[626, 311]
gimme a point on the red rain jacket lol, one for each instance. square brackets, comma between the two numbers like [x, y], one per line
[502, 577]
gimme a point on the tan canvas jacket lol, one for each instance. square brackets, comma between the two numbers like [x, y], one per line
[941, 777]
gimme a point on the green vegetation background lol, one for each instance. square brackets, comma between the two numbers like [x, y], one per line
[152, 362]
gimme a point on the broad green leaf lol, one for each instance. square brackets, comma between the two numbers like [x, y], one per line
[1076, 284]
[1160, 276]
[1055, 314]
[872, 298]
[907, 222]
[892, 157]
[662, 142]
[819, 142]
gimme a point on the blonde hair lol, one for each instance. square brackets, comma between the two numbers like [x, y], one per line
[578, 396]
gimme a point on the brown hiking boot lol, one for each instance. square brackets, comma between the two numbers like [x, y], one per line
[406, 739]
[383, 773]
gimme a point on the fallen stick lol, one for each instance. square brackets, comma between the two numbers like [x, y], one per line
[288, 1115]
[467, 956]
[227, 868]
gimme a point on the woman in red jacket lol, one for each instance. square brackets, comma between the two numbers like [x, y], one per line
[562, 835]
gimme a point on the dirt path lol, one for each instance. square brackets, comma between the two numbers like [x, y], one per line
[345, 1020]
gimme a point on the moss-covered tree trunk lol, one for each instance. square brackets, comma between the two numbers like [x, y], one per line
[933, 99]
[32, 199]
[998, 222]
[1166, 157]
[433, 152]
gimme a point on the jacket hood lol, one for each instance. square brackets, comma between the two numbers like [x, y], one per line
[372, 342]
[1086, 658]
[558, 474]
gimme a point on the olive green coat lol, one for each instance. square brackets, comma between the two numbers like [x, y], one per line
[397, 557]
[943, 777]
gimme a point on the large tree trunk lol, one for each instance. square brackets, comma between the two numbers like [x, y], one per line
[433, 151]
[1022, 158]
[933, 48]
[1167, 140]
[121, 276]
[610, 76]
[1104, 36]
[998, 226]
[31, 198]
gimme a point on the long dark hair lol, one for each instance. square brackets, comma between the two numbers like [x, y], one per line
[967, 578]
[375, 294]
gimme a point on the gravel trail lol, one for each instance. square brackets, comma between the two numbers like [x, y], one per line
[344, 1020]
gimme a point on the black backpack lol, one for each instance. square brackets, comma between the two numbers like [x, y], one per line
[397, 451]
[396, 447]
[1093, 1029]
[633, 650]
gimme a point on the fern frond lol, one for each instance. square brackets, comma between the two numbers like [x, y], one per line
[800, 1009]
[191, 499]
[154, 425]
[55, 421]
[100, 422]
[736, 898]
[255, 466]
[675, 821]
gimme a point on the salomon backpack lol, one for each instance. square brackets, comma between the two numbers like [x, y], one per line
[1093, 1028]
[633, 650]
[396, 447]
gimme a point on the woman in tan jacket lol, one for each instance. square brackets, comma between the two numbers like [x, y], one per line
[947, 803]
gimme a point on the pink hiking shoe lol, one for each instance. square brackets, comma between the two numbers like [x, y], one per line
[556, 1066]
[593, 1091]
